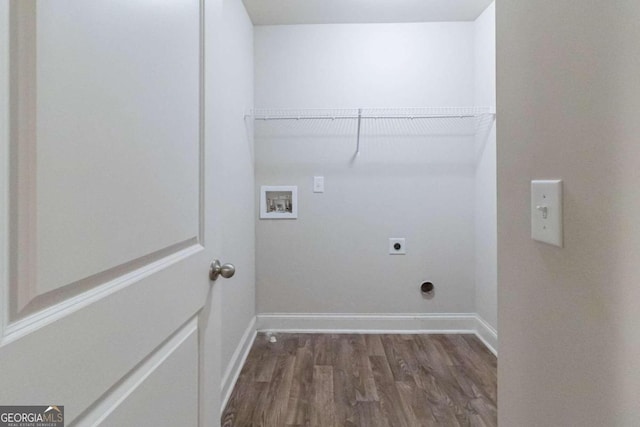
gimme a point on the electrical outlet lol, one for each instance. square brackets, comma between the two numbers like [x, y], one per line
[397, 246]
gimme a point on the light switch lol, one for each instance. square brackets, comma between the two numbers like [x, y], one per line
[318, 184]
[546, 211]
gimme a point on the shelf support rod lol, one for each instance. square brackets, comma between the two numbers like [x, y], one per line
[358, 136]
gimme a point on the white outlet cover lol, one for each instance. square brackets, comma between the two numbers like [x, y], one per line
[403, 246]
[318, 184]
[546, 211]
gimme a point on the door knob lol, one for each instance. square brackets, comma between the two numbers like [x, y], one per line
[216, 269]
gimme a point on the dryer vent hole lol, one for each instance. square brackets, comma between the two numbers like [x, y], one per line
[426, 288]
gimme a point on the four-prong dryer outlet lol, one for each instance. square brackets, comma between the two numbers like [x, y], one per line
[397, 246]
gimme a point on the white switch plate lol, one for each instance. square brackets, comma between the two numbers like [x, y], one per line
[401, 242]
[318, 184]
[546, 211]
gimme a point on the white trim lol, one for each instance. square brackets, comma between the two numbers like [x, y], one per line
[368, 323]
[487, 334]
[237, 361]
[411, 323]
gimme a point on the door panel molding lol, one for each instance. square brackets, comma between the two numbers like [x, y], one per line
[44, 317]
[107, 404]
[22, 153]
[4, 161]
[83, 354]
[29, 305]
[59, 300]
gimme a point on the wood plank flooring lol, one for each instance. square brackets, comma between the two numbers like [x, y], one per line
[365, 380]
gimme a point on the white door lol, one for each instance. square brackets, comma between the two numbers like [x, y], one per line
[106, 238]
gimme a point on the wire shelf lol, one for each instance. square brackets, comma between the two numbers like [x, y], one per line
[368, 113]
[377, 121]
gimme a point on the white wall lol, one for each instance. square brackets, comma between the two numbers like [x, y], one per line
[485, 190]
[568, 102]
[231, 81]
[364, 65]
[334, 258]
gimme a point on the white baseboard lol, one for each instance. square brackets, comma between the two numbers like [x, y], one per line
[487, 334]
[367, 323]
[236, 363]
[415, 323]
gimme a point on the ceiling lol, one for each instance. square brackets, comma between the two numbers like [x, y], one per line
[284, 12]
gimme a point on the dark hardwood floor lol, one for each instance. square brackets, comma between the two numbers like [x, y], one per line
[365, 380]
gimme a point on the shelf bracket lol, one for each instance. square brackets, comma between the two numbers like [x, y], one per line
[358, 135]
